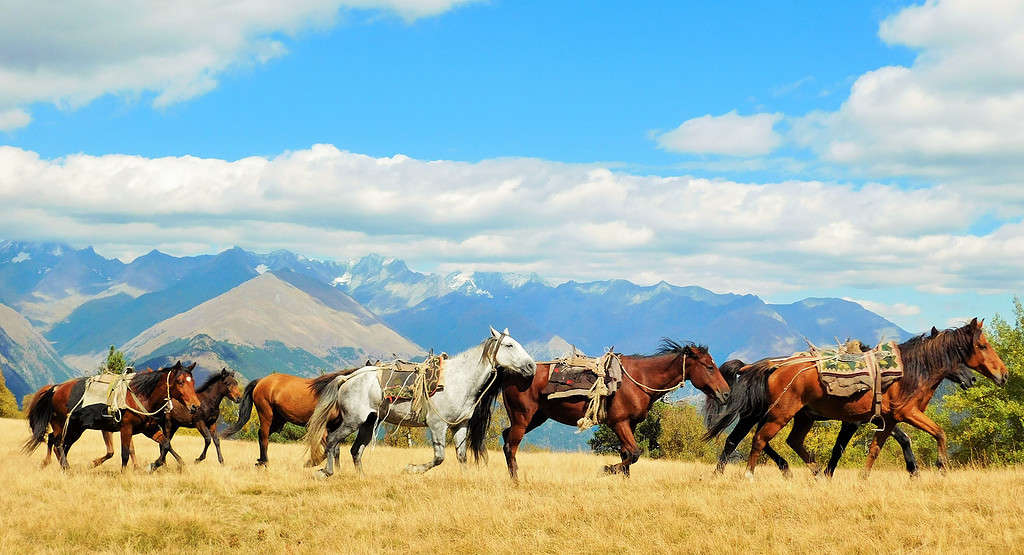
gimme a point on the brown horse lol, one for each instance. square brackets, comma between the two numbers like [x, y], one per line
[150, 395]
[211, 393]
[279, 399]
[779, 391]
[647, 379]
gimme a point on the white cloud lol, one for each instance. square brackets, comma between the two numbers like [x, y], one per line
[730, 134]
[561, 220]
[88, 48]
[891, 311]
[955, 114]
[14, 119]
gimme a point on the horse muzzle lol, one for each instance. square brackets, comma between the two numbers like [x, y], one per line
[722, 397]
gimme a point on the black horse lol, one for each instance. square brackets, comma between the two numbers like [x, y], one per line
[802, 423]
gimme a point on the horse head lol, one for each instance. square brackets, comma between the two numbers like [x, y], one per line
[506, 354]
[230, 381]
[183, 387]
[704, 374]
[983, 358]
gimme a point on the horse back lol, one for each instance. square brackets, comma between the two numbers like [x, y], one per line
[289, 397]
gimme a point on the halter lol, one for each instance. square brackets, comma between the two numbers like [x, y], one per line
[650, 389]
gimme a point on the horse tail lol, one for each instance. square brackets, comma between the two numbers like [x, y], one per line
[749, 397]
[480, 422]
[317, 425]
[712, 406]
[39, 411]
[244, 411]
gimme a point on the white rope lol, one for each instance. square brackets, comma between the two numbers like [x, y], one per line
[654, 389]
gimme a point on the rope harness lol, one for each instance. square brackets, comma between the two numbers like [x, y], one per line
[117, 413]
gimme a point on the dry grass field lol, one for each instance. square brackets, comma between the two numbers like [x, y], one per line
[564, 504]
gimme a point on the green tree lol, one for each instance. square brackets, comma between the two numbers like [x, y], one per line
[115, 362]
[604, 440]
[8, 404]
[987, 421]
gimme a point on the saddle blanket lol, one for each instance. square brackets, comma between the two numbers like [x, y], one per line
[107, 389]
[578, 375]
[844, 373]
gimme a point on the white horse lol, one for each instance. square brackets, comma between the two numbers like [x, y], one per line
[472, 381]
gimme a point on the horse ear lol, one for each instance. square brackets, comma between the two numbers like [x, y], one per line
[494, 332]
[177, 364]
[934, 331]
[974, 322]
[192, 367]
[506, 332]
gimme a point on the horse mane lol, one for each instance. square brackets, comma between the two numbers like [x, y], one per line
[320, 383]
[145, 382]
[213, 378]
[712, 408]
[671, 346]
[489, 350]
[926, 355]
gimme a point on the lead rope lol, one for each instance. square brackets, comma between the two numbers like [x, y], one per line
[656, 390]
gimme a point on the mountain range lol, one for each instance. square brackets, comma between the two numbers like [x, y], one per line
[281, 311]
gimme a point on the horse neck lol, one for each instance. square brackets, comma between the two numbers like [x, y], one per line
[465, 372]
[159, 394]
[936, 369]
[659, 372]
[213, 393]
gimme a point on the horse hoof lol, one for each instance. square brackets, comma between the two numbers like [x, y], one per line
[413, 469]
[749, 476]
[197, 461]
[321, 475]
[151, 468]
[609, 469]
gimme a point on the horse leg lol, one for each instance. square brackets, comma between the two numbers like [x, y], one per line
[71, 435]
[513, 436]
[777, 419]
[363, 439]
[334, 437]
[438, 430]
[903, 439]
[842, 440]
[778, 460]
[629, 452]
[51, 447]
[797, 435]
[739, 432]
[876, 445]
[921, 421]
[460, 437]
[216, 443]
[266, 413]
[108, 439]
[205, 432]
[126, 445]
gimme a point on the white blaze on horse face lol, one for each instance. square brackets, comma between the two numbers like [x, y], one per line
[513, 357]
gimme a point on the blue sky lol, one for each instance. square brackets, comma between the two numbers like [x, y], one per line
[856, 149]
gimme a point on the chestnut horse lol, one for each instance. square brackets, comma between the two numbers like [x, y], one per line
[280, 399]
[151, 394]
[647, 379]
[802, 423]
[779, 391]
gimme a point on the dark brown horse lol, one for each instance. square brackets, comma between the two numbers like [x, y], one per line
[779, 391]
[150, 395]
[802, 423]
[654, 376]
[279, 399]
[211, 393]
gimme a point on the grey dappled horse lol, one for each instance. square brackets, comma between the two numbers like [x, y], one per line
[472, 381]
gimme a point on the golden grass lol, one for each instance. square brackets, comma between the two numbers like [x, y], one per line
[564, 504]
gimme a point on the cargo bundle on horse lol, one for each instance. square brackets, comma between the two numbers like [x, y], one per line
[774, 392]
[472, 381]
[132, 404]
[529, 403]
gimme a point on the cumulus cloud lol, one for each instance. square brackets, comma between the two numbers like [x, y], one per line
[565, 221]
[955, 114]
[730, 134]
[88, 48]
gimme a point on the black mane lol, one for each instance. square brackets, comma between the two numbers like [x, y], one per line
[670, 346]
[320, 383]
[212, 379]
[926, 356]
[145, 382]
